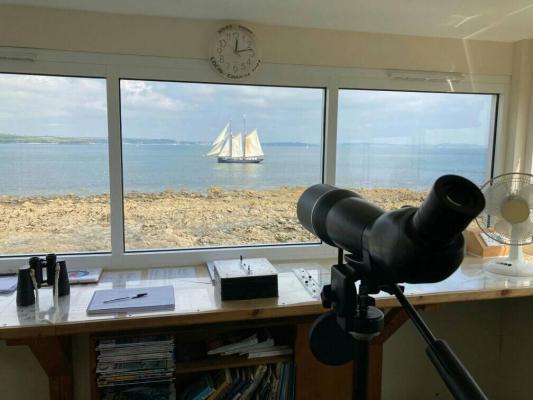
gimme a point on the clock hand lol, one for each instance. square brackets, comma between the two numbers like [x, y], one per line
[248, 49]
[236, 45]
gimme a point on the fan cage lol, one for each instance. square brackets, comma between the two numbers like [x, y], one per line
[487, 222]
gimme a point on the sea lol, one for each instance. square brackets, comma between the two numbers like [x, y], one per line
[82, 169]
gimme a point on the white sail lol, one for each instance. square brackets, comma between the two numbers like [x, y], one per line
[252, 146]
[218, 142]
[236, 145]
[215, 150]
[226, 151]
[221, 136]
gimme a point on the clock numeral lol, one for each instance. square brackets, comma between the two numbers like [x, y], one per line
[234, 52]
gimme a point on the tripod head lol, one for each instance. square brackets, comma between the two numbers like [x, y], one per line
[353, 316]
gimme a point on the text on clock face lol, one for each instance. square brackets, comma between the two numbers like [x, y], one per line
[235, 54]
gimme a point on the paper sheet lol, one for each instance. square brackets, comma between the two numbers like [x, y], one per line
[8, 284]
[121, 278]
[171, 273]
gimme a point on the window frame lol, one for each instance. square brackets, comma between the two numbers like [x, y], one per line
[332, 79]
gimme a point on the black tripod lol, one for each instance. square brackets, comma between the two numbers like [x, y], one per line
[344, 333]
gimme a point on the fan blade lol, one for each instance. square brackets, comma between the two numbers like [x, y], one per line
[503, 228]
[526, 193]
[522, 233]
[495, 195]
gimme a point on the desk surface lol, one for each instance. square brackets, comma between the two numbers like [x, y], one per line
[196, 302]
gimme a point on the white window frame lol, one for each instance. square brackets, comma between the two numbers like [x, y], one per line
[116, 67]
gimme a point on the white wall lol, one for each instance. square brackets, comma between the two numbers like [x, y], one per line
[121, 34]
[475, 330]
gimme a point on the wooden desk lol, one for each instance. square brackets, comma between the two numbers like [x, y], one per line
[48, 328]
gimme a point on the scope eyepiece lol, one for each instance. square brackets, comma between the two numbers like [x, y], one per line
[448, 209]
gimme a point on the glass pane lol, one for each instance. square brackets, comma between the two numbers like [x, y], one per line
[392, 146]
[54, 185]
[265, 148]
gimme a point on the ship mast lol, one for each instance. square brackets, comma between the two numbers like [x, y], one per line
[243, 136]
[230, 140]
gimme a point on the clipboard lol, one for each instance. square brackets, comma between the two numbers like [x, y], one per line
[110, 301]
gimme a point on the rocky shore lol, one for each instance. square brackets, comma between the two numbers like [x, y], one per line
[169, 219]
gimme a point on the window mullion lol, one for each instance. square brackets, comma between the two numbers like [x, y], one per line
[330, 140]
[115, 169]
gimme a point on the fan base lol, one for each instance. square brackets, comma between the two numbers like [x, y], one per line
[507, 267]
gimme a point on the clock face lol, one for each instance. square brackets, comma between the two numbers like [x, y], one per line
[234, 52]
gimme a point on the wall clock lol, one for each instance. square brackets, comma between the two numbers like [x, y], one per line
[234, 52]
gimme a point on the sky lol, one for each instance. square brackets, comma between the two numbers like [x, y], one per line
[76, 107]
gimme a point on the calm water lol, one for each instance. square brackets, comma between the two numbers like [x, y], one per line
[42, 169]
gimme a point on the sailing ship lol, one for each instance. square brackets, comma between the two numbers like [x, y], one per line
[234, 148]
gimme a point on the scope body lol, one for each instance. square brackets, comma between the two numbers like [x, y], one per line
[412, 245]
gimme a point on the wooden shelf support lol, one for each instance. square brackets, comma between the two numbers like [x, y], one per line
[54, 355]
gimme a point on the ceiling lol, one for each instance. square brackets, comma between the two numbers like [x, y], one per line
[498, 20]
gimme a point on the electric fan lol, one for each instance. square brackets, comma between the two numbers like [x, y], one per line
[508, 219]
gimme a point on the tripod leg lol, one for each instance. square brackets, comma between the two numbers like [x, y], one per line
[360, 370]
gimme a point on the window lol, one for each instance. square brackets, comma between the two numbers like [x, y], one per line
[207, 165]
[114, 160]
[393, 145]
[54, 189]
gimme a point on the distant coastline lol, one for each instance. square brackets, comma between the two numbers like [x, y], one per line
[6, 138]
[21, 139]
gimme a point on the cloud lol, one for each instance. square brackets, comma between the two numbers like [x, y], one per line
[52, 105]
[148, 96]
[406, 116]
[280, 114]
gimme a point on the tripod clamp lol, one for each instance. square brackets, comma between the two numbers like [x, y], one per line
[355, 312]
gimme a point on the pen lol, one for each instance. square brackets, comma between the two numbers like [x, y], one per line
[137, 296]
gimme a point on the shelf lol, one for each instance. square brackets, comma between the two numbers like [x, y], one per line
[227, 362]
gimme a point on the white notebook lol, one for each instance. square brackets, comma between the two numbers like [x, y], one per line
[157, 298]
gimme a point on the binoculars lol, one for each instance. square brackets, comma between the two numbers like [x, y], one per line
[30, 278]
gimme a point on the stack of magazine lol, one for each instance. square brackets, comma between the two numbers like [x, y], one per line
[136, 367]
[262, 382]
[256, 345]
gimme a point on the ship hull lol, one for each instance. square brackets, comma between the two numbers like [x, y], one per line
[240, 160]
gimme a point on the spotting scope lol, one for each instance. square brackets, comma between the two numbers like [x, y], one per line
[413, 245]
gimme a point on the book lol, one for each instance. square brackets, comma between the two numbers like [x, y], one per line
[199, 389]
[270, 352]
[240, 343]
[135, 361]
[157, 391]
[222, 381]
[235, 346]
[84, 275]
[157, 298]
[259, 373]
